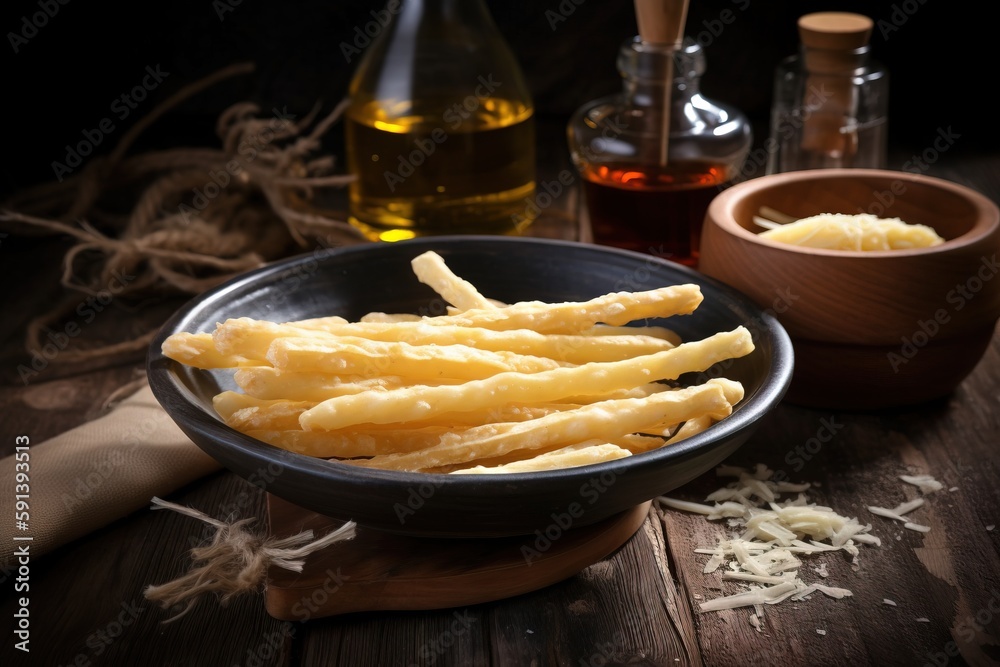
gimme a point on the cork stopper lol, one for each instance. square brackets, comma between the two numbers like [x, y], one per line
[834, 42]
[661, 21]
[839, 31]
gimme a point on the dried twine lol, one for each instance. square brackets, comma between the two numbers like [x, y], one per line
[165, 244]
[235, 561]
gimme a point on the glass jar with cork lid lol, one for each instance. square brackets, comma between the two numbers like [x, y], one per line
[654, 155]
[830, 107]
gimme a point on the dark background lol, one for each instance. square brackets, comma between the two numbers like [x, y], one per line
[940, 56]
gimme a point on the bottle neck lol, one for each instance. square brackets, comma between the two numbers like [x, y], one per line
[654, 75]
[461, 11]
[835, 61]
[434, 55]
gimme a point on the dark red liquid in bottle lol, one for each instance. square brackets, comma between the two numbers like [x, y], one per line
[658, 210]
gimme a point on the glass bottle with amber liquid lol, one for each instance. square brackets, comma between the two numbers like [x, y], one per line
[653, 156]
[440, 127]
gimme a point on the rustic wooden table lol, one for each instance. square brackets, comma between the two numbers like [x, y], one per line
[639, 606]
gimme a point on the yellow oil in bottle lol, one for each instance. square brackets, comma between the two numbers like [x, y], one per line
[469, 169]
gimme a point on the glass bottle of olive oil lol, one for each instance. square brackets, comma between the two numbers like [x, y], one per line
[440, 128]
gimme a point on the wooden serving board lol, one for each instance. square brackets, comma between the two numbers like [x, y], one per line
[384, 571]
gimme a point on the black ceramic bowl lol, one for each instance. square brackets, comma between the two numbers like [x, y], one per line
[378, 277]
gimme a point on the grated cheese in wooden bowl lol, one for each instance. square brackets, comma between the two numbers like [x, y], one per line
[840, 231]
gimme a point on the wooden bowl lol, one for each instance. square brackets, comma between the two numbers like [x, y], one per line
[870, 329]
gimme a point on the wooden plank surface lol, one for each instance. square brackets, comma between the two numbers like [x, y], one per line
[638, 606]
[620, 610]
[947, 576]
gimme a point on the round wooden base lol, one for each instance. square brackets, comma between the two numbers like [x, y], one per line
[384, 571]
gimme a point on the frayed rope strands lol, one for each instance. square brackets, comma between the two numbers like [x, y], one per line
[236, 560]
[178, 238]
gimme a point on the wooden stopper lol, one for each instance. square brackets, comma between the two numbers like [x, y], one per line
[841, 31]
[661, 21]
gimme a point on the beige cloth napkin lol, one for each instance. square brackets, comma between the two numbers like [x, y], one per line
[96, 473]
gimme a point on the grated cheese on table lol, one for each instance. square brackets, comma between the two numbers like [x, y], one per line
[917, 527]
[897, 513]
[926, 483]
[772, 537]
